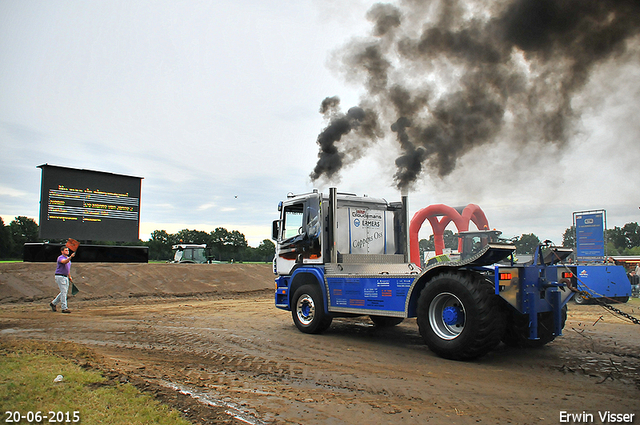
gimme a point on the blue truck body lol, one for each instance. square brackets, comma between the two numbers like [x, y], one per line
[347, 256]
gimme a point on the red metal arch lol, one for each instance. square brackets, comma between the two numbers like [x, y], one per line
[471, 212]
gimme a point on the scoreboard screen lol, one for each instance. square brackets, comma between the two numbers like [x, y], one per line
[89, 205]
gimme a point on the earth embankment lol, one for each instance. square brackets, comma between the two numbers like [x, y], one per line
[21, 282]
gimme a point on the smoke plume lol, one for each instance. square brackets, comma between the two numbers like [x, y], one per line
[449, 76]
[362, 123]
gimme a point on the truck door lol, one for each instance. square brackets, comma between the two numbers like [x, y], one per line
[300, 235]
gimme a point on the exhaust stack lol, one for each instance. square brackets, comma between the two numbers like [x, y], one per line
[405, 224]
[333, 213]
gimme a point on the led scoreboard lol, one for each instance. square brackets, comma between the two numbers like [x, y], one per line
[89, 205]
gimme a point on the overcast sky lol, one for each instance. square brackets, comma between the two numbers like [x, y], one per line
[216, 105]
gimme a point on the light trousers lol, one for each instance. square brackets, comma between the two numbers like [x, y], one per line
[63, 284]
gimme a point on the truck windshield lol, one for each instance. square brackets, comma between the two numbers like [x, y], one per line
[292, 221]
[198, 255]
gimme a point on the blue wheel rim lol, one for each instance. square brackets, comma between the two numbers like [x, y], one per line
[447, 316]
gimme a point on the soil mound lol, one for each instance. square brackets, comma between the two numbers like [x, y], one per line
[20, 282]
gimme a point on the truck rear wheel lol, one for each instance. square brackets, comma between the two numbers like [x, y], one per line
[459, 316]
[308, 310]
[517, 331]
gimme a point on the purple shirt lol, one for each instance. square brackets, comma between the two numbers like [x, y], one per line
[63, 268]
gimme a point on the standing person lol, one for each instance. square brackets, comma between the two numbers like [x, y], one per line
[634, 279]
[63, 277]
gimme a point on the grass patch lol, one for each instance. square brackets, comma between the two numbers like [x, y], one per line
[27, 373]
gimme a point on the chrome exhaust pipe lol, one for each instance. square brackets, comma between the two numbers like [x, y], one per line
[333, 222]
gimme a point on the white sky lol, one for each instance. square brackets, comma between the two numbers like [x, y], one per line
[212, 100]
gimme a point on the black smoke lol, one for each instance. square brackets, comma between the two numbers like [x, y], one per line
[356, 120]
[451, 76]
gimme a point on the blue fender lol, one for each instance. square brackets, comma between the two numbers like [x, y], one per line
[411, 304]
[286, 286]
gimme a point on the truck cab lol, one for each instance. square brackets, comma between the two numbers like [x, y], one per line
[190, 253]
[298, 232]
[310, 231]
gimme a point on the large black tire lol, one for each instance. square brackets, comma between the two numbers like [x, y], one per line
[459, 316]
[307, 310]
[517, 331]
[385, 321]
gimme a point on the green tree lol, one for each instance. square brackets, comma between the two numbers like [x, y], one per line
[633, 251]
[526, 244]
[227, 245]
[238, 245]
[569, 237]
[450, 241]
[23, 230]
[192, 236]
[265, 251]
[610, 249]
[220, 241]
[631, 232]
[6, 241]
[427, 244]
[160, 245]
[616, 239]
[623, 238]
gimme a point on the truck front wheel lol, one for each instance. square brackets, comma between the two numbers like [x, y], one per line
[459, 316]
[308, 310]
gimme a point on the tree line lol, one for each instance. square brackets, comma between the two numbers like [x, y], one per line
[224, 245]
[232, 245]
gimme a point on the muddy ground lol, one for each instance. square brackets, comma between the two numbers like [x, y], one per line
[208, 340]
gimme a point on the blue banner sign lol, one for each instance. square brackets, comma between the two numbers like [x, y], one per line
[590, 236]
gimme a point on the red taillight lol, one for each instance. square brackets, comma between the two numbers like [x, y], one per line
[505, 276]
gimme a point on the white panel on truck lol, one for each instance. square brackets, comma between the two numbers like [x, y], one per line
[365, 231]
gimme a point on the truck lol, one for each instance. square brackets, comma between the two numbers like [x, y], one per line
[343, 255]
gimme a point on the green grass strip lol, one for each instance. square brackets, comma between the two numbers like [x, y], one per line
[27, 374]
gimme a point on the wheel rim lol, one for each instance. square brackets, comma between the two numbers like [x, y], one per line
[447, 316]
[305, 309]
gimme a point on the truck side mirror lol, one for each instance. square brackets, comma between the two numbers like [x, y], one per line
[275, 231]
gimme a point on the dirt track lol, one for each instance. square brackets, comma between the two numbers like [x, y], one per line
[213, 332]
